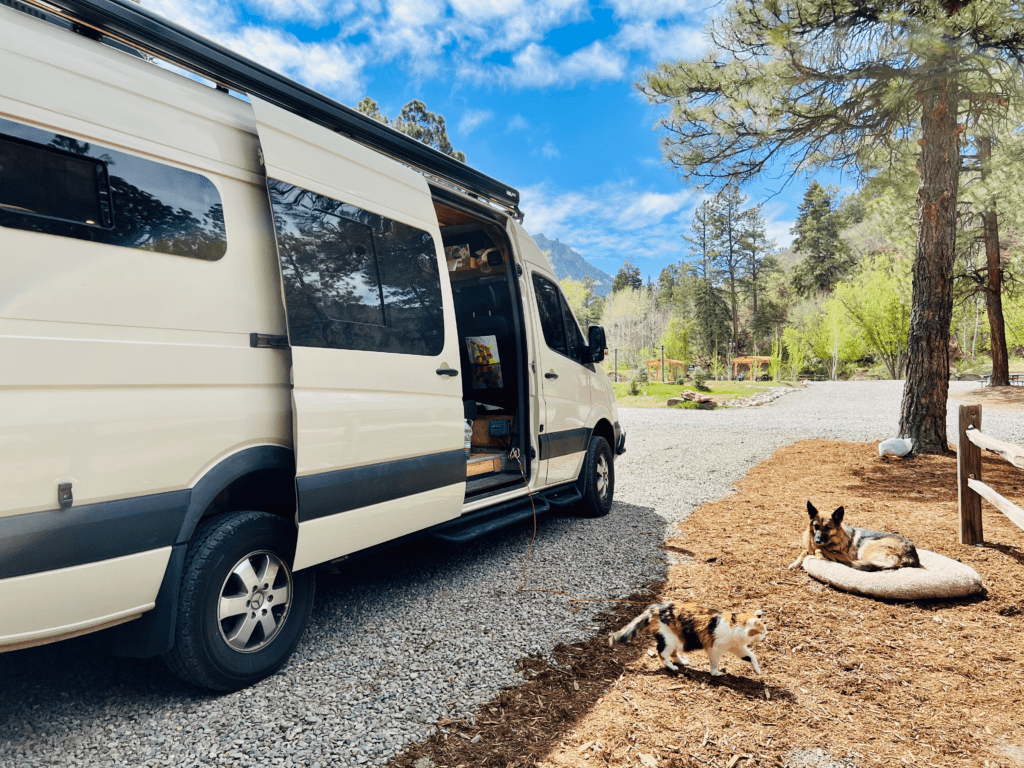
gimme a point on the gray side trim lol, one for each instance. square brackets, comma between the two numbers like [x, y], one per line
[330, 493]
[555, 444]
[221, 476]
[45, 541]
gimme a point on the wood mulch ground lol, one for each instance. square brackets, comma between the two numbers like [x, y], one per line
[847, 680]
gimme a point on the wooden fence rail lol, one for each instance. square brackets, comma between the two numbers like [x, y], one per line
[972, 490]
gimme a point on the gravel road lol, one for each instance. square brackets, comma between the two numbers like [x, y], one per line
[421, 633]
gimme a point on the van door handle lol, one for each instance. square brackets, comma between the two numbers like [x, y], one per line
[447, 372]
[550, 375]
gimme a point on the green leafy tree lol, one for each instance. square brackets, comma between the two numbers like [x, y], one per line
[586, 306]
[877, 301]
[677, 339]
[817, 82]
[797, 350]
[826, 256]
[417, 121]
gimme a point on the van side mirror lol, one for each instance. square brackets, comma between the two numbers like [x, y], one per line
[596, 350]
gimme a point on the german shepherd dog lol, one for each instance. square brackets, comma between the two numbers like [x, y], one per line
[826, 538]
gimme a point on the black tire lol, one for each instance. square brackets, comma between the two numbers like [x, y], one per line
[597, 479]
[233, 561]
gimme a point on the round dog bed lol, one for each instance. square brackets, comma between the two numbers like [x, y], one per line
[938, 577]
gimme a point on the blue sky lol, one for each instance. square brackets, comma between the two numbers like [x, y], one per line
[537, 94]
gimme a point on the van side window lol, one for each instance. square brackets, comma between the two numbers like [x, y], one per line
[354, 279]
[58, 185]
[551, 319]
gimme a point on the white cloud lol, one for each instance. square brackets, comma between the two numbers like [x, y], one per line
[506, 25]
[658, 9]
[537, 66]
[777, 228]
[315, 12]
[609, 223]
[517, 123]
[550, 151]
[660, 42]
[331, 67]
[473, 119]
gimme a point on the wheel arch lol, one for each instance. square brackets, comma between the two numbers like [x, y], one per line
[260, 477]
[603, 428]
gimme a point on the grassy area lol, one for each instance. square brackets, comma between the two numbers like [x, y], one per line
[655, 395]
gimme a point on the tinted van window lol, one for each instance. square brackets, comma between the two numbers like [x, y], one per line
[354, 279]
[58, 185]
[551, 321]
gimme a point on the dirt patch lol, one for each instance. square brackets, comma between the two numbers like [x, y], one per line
[847, 680]
[1001, 398]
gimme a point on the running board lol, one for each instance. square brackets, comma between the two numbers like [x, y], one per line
[565, 497]
[477, 524]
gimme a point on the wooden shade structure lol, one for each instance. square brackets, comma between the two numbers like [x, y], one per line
[676, 369]
[750, 362]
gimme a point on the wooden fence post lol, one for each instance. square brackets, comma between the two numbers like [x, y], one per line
[968, 464]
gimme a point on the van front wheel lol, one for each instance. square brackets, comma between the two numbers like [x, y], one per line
[597, 479]
[241, 609]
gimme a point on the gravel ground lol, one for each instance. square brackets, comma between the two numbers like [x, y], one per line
[420, 633]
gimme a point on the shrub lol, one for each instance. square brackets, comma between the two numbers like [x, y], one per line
[680, 381]
[700, 380]
[634, 387]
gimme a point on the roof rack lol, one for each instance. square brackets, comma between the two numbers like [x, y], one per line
[130, 23]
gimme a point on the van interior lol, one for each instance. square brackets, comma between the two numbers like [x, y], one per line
[492, 349]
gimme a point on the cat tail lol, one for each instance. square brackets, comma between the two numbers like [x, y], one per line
[641, 621]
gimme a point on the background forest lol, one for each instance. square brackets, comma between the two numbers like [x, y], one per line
[835, 303]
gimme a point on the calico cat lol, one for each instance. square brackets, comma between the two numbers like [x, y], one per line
[683, 627]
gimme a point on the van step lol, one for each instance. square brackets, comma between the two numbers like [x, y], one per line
[474, 525]
[565, 497]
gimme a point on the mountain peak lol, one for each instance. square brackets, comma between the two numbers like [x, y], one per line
[567, 263]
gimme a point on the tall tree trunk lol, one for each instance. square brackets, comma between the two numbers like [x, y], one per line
[923, 412]
[994, 288]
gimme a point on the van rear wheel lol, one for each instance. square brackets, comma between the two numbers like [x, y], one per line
[597, 479]
[241, 609]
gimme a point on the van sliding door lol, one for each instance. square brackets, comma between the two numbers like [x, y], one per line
[377, 397]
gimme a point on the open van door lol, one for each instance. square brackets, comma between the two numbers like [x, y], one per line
[377, 394]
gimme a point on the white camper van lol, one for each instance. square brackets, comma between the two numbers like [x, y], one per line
[246, 331]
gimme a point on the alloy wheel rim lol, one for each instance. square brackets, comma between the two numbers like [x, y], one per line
[603, 477]
[254, 602]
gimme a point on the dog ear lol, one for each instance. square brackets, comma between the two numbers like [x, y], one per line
[837, 516]
[811, 510]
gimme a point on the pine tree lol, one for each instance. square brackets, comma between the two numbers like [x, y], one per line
[728, 225]
[827, 257]
[417, 121]
[628, 276]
